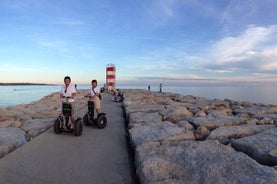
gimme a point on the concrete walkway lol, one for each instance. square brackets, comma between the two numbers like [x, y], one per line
[97, 156]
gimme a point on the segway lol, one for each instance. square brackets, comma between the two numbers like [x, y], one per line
[100, 121]
[62, 122]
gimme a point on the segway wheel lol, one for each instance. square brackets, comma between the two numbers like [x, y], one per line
[101, 121]
[57, 128]
[78, 127]
[86, 119]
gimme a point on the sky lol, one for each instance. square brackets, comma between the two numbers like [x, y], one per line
[174, 42]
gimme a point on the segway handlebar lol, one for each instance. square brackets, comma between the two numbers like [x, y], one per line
[65, 98]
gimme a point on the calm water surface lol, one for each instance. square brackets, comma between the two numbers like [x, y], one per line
[14, 95]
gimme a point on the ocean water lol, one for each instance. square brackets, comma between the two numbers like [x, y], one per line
[255, 94]
[24, 94]
[14, 95]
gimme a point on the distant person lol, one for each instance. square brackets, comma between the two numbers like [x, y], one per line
[76, 86]
[94, 93]
[68, 90]
[117, 96]
[148, 87]
[161, 87]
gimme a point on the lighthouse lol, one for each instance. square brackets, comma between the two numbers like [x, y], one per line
[110, 76]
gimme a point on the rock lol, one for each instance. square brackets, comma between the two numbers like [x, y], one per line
[211, 122]
[200, 114]
[10, 139]
[185, 124]
[165, 130]
[266, 121]
[259, 146]
[201, 133]
[2, 119]
[36, 126]
[10, 123]
[195, 139]
[273, 153]
[142, 108]
[220, 112]
[236, 132]
[252, 121]
[15, 114]
[175, 113]
[198, 162]
[144, 117]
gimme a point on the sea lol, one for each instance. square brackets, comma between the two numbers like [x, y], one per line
[24, 94]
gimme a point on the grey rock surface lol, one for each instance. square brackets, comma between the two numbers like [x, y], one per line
[197, 140]
[260, 147]
[198, 162]
[10, 139]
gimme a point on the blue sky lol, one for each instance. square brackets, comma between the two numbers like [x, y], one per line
[176, 42]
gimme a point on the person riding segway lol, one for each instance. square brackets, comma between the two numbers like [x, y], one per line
[62, 124]
[94, 103]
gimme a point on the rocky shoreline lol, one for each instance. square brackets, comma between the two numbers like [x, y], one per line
[20, 124]
[187, 139]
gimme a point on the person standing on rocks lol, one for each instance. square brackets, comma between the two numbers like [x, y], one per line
[161, 87]
[68, 90]
[94, 93]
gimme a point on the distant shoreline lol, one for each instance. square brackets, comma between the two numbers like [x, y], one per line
[25, 84]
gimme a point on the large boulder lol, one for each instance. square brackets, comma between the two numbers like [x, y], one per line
[142, 108]
[260, 147]
[213, 122]
[175, 113]
[144, 117]
[165, 130]
[228, 132]
[36, 126]
[198, 162]
[10, 139]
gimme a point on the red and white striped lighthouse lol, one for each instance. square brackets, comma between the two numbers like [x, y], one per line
[110, 76]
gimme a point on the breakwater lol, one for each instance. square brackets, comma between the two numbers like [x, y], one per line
[188, 139]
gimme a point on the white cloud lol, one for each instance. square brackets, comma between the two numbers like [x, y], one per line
[232, 49]
[255, 50]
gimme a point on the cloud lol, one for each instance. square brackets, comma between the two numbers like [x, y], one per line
[238, 13]
[255, 50]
